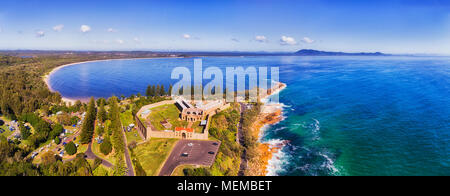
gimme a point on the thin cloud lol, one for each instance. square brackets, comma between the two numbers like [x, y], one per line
[85, 28]
[307, 40]
[137, 40]
[111, 30]
[40, 34]
[261, 38]
[119, 41]
[285, 40]
[58, 28]
[187, 36]
[235, 40]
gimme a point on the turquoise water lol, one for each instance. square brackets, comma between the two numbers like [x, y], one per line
[343, 115]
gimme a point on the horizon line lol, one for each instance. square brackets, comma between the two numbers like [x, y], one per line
[213, 51]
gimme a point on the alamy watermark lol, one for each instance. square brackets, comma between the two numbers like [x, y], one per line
[249, 84]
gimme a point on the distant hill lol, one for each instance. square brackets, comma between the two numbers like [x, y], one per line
[308, 52]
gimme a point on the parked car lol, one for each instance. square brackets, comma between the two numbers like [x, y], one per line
[185, 154]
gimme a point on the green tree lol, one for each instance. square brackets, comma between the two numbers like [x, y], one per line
[170, 90]
[48, 158]
[24, 132]
[74, 120]
[101, 114]
[71, 148]
[87, 130]
[148, 91]
[57, 130]
[106, 146]
[153, 90]
[158, 90]
[97, 162]
[162, 91]
[57, 140]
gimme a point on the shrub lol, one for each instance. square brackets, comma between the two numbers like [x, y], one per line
[24, 132]
[70, 148]
[106, 146]
[74, 120]
[97, 162]
[57, 140]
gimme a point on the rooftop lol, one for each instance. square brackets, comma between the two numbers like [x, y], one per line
[179, 129]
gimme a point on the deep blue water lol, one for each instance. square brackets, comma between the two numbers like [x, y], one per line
[344, 115]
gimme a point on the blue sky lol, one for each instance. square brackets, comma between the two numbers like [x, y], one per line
[391, 26]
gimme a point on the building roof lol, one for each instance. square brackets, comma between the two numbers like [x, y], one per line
[179, 129]
[203, 123]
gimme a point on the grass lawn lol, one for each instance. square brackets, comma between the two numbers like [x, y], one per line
[127, 119]
[7, 133]
[101, 170]
[179, 170]
[96, 147]
[153, 154]
[197, 128]
[96, 150]
[169, 112]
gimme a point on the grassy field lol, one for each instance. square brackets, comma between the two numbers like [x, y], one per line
[179, 170]
[127, 119]
[7, 133]
[172, 114]
[152, 154]
[166, 112]
[197, 127]
[96, 146]
[101, 170]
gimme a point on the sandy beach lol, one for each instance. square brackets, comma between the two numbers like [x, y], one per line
[66, 100]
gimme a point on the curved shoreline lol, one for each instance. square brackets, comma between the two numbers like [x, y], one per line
[272, 117]
[270, 114]
[72, 101]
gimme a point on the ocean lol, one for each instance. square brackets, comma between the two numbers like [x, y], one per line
[342, 115]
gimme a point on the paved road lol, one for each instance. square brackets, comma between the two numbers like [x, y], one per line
[244, 162]
[130, 171]
[91, 156]
[198, 155]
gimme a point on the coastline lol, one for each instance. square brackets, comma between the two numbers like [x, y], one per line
[271, 113]
[72, 101]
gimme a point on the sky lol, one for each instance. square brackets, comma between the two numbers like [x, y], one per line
[390, 26]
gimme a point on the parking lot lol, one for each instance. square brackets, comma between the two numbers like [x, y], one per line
[190, 152]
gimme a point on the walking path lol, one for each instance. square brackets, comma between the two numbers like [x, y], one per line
[130, 171]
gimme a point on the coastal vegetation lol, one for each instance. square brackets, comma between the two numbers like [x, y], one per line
[70, 148]
[88, 128]
[223, 128]
[42, 115]
[25, 97]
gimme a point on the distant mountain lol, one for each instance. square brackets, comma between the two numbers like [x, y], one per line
[308, 52]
